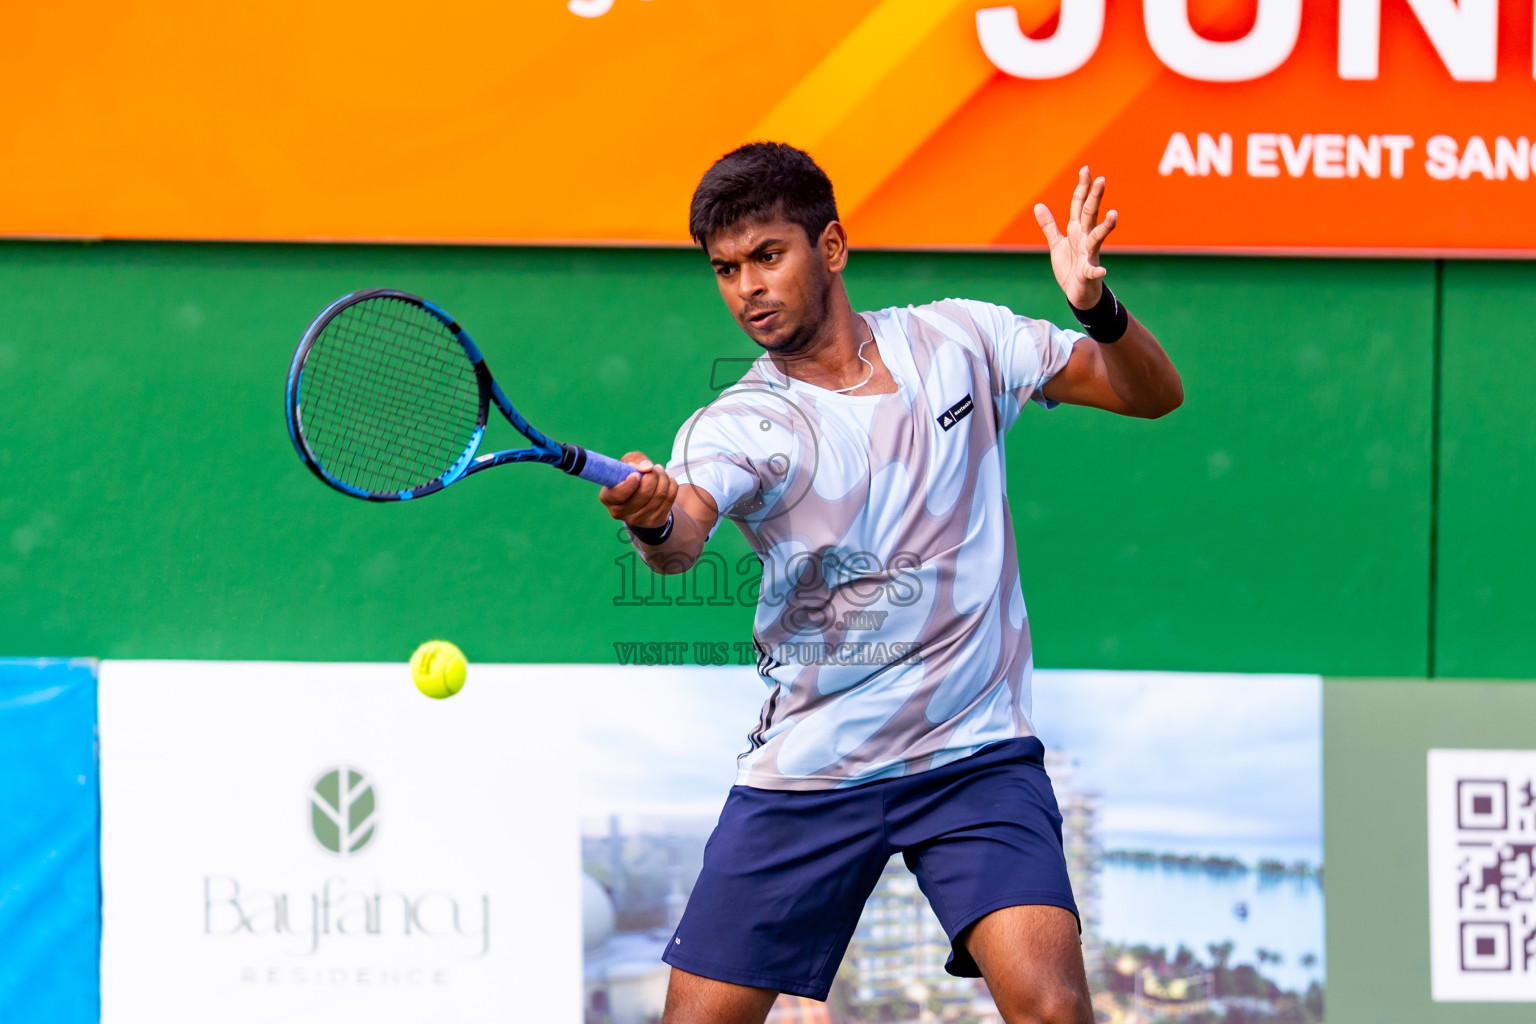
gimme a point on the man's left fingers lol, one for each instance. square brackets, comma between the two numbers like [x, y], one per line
[1079, 194]
[1101, 232]
[1091, 204]
[1047, 224]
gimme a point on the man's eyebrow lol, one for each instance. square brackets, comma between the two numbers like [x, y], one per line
[763, 246]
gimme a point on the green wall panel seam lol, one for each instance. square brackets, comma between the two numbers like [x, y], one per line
[1437, 332]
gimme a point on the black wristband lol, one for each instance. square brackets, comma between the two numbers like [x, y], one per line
[1107, 321]
[652, 535]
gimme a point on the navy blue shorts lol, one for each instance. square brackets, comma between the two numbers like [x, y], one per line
[786, 874]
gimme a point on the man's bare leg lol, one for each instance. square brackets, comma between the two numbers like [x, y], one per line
[1032, 959]
[695, 1000]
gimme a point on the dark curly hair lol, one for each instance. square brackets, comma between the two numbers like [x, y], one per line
[761, 181]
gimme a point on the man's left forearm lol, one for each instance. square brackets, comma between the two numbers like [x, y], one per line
[1123, 370]
[1141, 373]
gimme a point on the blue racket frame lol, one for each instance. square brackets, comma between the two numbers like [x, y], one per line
[575, 460]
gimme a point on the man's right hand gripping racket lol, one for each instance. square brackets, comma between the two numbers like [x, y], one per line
[388, 398]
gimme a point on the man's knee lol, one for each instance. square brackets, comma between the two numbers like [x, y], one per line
[692, 999]
[1067, 1006]
[1032, 959]
[1052, 1004]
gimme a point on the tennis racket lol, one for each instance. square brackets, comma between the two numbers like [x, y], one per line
[388, 398]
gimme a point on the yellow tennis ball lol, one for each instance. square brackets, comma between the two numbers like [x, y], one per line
[439, 668]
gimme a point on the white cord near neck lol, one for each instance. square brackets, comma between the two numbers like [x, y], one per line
[866, 362]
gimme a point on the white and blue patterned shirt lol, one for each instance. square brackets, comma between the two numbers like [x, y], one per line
[890, 624]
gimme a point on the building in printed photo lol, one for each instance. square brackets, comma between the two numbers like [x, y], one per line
[897, 955]
[623, 978]
[627, 921]
[1079, 836]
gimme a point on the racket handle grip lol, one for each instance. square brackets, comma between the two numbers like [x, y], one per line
[594, 466]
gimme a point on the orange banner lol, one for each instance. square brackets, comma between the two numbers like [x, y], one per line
[1250, 125]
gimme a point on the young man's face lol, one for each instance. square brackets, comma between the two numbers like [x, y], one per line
[774, 281]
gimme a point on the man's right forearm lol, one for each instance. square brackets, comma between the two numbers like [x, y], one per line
[681, 548]
[644, 500]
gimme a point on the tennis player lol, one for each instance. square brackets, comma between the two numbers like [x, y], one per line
[862, 457]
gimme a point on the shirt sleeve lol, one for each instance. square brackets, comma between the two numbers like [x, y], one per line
[708, 454]
[1022, 354]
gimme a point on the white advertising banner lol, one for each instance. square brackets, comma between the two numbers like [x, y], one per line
[1482, 876]
[321, 842]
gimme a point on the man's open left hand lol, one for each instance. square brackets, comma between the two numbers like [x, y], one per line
[1075, 255]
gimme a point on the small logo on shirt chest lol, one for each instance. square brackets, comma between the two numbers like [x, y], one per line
[957, 412]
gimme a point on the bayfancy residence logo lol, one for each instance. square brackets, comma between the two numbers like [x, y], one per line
[313, 908]
[343, 810]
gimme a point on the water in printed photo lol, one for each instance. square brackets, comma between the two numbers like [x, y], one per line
[1192, 808]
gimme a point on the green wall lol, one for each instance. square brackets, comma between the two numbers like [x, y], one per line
[1283, 520]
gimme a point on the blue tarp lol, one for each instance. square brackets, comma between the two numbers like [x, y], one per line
[50, 876]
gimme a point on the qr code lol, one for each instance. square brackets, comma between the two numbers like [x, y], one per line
[1482, 875]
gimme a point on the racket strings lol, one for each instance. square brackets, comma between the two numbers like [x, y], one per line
[391, 418]
[373, 402]
[401, 399]
[388, 399]
[367, 443]
[367, 452]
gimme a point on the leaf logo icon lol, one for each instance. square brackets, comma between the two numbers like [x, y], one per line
[342, 806]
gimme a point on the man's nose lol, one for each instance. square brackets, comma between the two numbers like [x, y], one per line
[749, 283]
